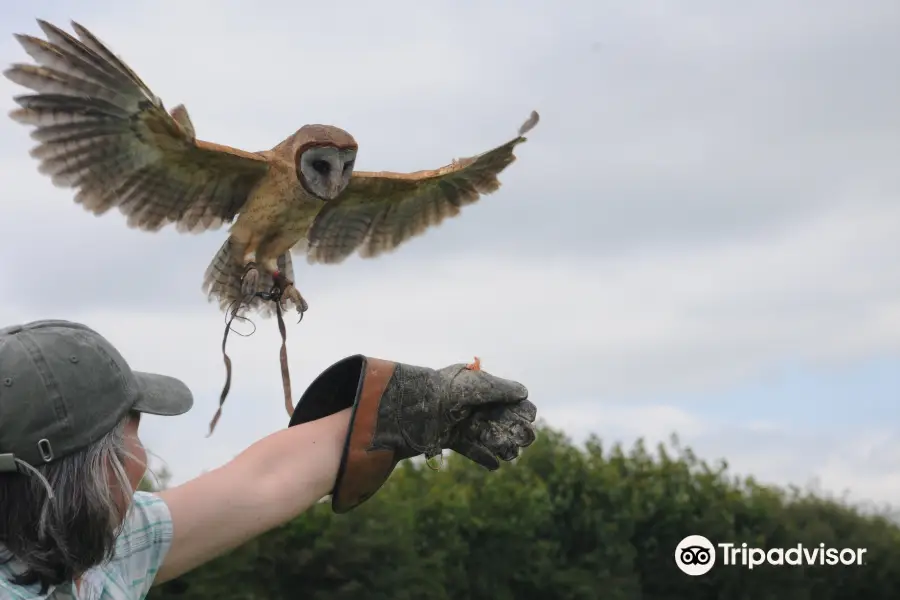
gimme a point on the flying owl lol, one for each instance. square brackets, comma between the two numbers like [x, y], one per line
[102, 131]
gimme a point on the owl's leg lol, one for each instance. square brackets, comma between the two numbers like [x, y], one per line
[286, 286]
[250, 279]
[271, 265]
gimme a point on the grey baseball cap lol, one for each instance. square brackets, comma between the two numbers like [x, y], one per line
[63, 386]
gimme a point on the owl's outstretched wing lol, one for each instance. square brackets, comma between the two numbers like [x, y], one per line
[379, 211]
[102, 131]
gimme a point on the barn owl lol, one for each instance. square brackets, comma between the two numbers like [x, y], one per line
[102, 131]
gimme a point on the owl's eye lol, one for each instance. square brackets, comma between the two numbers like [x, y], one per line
[321, 166]
[348, 165]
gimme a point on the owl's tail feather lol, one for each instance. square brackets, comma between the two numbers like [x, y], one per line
[222, 281]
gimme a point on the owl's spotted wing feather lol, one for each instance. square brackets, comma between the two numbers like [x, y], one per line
[380, 211]
[102, 131]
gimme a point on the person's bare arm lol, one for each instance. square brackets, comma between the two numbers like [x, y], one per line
[398, 411]
[274, 480]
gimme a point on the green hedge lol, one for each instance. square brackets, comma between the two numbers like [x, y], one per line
[564, 522]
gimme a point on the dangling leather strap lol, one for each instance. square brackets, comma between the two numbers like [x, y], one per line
[273, 296]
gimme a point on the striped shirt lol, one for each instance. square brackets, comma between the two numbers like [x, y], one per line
[140, 550]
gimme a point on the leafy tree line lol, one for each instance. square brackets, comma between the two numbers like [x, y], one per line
[563, 522]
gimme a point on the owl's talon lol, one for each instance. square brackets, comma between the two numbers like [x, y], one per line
[291, 293]
[287, 291]
[475, 365]
[250, 279]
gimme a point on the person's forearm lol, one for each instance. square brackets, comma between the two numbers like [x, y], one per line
[294, 468]
[269, 483]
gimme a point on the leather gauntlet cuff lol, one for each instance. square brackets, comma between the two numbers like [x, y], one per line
[357, 382]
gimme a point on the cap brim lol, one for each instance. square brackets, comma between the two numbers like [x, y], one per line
[162, 395]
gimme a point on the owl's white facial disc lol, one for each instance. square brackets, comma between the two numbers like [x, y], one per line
[325, 171]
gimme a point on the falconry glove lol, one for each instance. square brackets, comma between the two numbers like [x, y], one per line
[400, 411]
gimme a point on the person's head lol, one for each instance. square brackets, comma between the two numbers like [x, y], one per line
[70, 455]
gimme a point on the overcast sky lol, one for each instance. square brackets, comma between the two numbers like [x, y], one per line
[702, 235]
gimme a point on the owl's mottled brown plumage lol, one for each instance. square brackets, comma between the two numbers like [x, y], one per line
[102, 131]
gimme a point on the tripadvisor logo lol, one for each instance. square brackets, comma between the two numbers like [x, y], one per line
[696, 555]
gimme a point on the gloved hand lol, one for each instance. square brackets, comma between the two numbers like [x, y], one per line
[401, 411]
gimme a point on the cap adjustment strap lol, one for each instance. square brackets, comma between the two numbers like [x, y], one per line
[8, 463]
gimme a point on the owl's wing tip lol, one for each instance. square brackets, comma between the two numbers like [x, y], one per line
[530, 123]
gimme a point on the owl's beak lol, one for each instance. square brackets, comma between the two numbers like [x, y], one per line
[335, 189]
